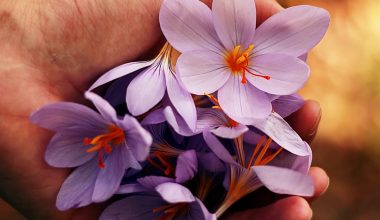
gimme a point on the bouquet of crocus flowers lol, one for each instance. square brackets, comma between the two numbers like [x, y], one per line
[192, 131]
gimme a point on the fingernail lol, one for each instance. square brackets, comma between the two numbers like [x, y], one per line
[314, 129]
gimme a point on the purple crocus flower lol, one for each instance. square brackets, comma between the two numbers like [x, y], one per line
[223, 51]
[154, 79]
[168, 201]
[101, 146]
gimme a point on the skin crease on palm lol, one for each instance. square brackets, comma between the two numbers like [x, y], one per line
[52, 51]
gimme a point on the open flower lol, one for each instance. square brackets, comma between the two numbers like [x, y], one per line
[101, 146]
[154, 79]
[168, 201]
[223, 51]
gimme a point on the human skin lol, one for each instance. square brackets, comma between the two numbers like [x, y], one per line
[52, 51]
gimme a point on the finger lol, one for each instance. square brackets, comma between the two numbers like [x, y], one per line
[290, 208]
[321, 182]
[305, 121]
[265, 9]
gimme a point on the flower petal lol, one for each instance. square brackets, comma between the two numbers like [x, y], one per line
[293, 31]
[199, 211]
[150, 182]
[234, 22]
[202, 71]
[146, 90]
[217, 147]
[230, 132]
[210, 118]
[177, 123]
[210, 162]
[120, 71]
[138, 139]
[65, 150]
[77, 189]
[285, 181]
[61, 115]
[287, 74]
[130, 188]
[105, 109]
[286, 105]
[136, 207]
[187, 25]
[155, 117]
[109, 178]
[181, 99]
[174, 193]
[243, 102]
[187, 166]
[280, 131]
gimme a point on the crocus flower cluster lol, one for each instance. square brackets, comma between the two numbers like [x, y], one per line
[187, 138]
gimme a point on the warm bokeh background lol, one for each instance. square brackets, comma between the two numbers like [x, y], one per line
[345, 80]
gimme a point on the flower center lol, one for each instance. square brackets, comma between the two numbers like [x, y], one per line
[104, 142]
[238, 62]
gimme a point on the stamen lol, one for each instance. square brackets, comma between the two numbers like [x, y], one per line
[258, 145]
[166, 167]
[263, 151]
[103, 142]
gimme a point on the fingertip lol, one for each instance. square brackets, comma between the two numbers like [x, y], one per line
[294, 207]
[321, 181]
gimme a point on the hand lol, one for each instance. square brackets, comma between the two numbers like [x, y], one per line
[52, 52]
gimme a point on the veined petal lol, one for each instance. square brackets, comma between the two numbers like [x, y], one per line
[243, 102]
[286, 105]
[210, 118]
[105, 109]
[61, 115]
[146, 90]
[230, 132]
[120, 71]
[77, 189]
[174, 193]
[293, 31]
[136, 207]
[177, 123]
[138, 139]
[181, 99]
[287, 74]
[109, 178]
[217, 147]
[65, 150]
[280, 131]
[234, 22]
[155, 117]
[187, 166]
[187, 25]
[202, 71]
[285, 181]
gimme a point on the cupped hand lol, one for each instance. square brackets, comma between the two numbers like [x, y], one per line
[52, 51]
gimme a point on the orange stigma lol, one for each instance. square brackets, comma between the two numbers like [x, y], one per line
[104, 142]
[257, 157]
[166, 167]
[238, 63]
[231, 122]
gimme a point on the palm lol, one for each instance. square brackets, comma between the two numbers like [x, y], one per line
[52, 52]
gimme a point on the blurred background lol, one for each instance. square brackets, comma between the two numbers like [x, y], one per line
[346, 81]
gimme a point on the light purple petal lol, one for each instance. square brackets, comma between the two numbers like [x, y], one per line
[181, 100]
[230, 132]
[243, 102]
[77, 189]
[62, 115]
[120, 71]
[109, 178]
[130, 188]
[280, 131]
[286, 105]
[199, 212]
[174, 193]
[303, 57]
[150, 182]
[293, 31]
[65, 150]
[105, 109]
[287, 74]
[188, 25]
[187, 166]
[146, 90]
[202, 71]
[234, 22]
[177, 123]
[285, 181]
[138, 139]
[136, 207]
[210, 162]
[302, 163]
[155, 117]
[217, 147]
[210, 118]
